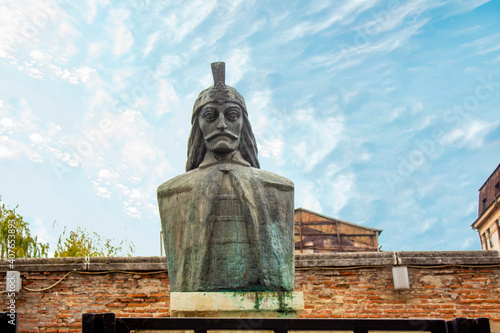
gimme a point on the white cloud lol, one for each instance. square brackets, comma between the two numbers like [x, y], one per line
[75, 76]
[92, 9]
[107, 174]
[428, 224]
[272, 148]
[168, 98]
[38, 55]
[35, 73]
[119, 32]
[152, 39]
[343, 14]
[136, 194]
[101, 99]
[95, 49]
[396, 112]
[101, 190]
[28, 26]
[228, 18]
[119, 157]
[66, 158]
[6, 150]
[40, 231]
[132, 211]
[22, 21]
[38, 139]
[353, 52]
[486, 44]
[138, 154]
[465, 6]
[471, 134]
[260, 110]
[171, 62]
[187, 18]
[341, 190]
[318, 137]
[392, 17]
[306, 197]
[7, 123]
[237, 66]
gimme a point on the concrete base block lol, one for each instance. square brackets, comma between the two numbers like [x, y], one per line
[237, 304]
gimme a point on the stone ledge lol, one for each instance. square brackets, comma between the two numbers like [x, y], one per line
[237, 304]
[127, 264]
[430, 258]
[45, 264]
[343, 259]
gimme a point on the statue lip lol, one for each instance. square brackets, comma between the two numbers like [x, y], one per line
[225, 133]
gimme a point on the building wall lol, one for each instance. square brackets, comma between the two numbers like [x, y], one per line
[488, 230]
[489, 191]
[317, 233]
[487, 223]
[342, 285]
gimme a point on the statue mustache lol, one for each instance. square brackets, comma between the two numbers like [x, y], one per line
[218, 133]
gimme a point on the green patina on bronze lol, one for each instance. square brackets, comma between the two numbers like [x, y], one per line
[228, 225]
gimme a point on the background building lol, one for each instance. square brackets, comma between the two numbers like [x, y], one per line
[317, 233]
[488, 221]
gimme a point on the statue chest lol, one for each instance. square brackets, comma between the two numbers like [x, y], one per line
[231, 261]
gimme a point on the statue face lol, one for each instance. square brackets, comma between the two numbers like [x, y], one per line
[221, 126]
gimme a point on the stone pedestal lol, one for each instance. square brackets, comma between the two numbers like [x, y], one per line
[236, 304]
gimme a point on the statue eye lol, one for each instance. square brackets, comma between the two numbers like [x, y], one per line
[209, 114]
[233, 114]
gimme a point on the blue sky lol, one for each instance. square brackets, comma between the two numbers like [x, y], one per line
[383, 113]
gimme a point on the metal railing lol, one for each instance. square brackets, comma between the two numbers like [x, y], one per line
[109, 323]
[8, 322]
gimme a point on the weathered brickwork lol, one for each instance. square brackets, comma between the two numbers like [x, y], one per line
[60, 309]
[443, 293]
[364, 291]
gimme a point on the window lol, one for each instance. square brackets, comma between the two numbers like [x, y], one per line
[498, 228]
[485, 242]
[484, 203]
[490, 238]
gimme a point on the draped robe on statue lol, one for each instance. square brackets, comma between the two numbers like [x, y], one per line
[190, 208]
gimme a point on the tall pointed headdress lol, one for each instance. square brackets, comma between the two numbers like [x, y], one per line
[219, 92]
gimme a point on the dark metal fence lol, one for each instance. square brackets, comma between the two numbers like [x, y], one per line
[108, 323]
[8, 322]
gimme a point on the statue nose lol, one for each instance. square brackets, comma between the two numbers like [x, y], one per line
[221, 125]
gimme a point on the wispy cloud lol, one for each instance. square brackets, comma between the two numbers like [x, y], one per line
[342, 14]
[100, 94]
[119, 31]
[185, 19]
[317, 138]
[394, 15]
[341, 189]
[348, 55]
[152, 39]
[485, 45]
[471, 134]
[92, 7]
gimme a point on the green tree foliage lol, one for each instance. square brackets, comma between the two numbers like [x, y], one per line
[22, 244]
[16, 241]
[82, 243]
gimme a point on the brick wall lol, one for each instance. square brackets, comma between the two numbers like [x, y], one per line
[344, 285]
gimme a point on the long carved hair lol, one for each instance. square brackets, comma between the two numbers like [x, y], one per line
[197, 149]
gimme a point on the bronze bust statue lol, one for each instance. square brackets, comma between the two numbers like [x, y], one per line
[228, 225]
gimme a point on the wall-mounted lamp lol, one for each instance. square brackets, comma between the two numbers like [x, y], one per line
[13, 281]
[400, 277]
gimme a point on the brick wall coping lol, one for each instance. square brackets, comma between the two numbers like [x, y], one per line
[342, 259]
